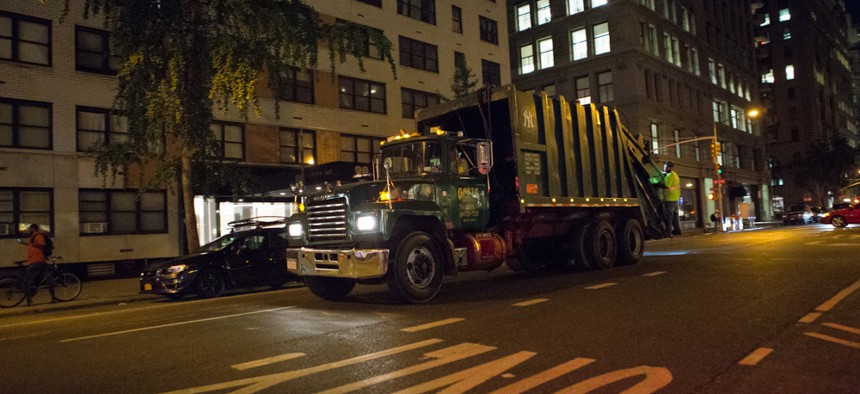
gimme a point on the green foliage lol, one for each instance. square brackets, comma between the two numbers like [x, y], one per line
[825, 167]
[464, 81]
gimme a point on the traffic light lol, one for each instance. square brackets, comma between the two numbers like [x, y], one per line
[715, 149]
[719, 169]
[710, 196]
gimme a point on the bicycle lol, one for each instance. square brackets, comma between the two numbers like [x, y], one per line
[13, 289]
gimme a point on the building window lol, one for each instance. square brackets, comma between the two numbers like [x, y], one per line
[369, 49]
[93, 51]
[789, 72]
[575, 6]
[230, 140]
[524, 16]
[527, 58]
[676, 51]
[766, 20]
[25, 124]
[544, 14]
[98, 126]
[719, 109]
[358, 149]
[122, 211]
[417, 54]
[298, 86]
[694, 62]
[721, 75]
[549, 90]
[768, 76]
[491, 73]
[25, 39]
[583, 90]
[489, 30]
[786, 34]
[457, 19]
[377, 3]
[546, 59]
[422, 10]
[655, 139]
[459, 59]
[648, 3]
[712, 70]
[19, 208]
[685, 19]
[604, 85]
[413, 100]
[667, 47]
[601, 38]
[649, 38]
[784, 15]
[579, 44]
[297, 146]
[362, 95]
[598, 3]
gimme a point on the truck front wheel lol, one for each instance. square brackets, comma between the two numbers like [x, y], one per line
[332, 289]
[415, 273]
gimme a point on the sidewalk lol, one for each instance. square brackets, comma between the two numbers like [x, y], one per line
[93, 293]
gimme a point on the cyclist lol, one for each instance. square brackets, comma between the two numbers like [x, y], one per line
[37, 265]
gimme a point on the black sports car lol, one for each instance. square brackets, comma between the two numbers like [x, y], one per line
[247, 258]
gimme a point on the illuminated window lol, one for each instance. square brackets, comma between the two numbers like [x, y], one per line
[524, 16]
[527, 59]
[789, 72]
[579, 42]
[768, 76]
[544, 14]
[786, 34]
[766, 20]
[546, 57]
[19, 208]
[575, 6]
[583, 90]
[784, 15]
[296, 145]
[598, 3]
[601, 38]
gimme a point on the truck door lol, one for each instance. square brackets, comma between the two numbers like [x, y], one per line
[468, 205]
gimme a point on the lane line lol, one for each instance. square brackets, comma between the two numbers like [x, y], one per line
[843, 328]
[756, 356]
[655, 273]
[267, 361]
[171, 325]
[810, 317]
[433, 324]
[531, 302]
[828, 338]
[829, 304]
[601, 286]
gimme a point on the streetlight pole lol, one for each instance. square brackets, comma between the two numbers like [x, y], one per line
[718, 179]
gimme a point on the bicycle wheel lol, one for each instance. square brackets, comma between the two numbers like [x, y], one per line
[67, 287]
[11, 292]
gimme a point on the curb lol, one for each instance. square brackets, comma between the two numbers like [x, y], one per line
[72, 305]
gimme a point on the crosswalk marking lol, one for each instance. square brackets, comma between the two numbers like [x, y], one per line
[843, 328]
[531, 302]
[809, 317]
[829, 304]
[432, 325]
[756, 356]
[267, 361]
[655, 273]
[655, 379]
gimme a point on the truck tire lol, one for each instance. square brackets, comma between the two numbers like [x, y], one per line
[631, 241]
[332, 289]
[415, 272]
[598, 246]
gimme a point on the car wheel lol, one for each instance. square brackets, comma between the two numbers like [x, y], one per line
[415, 273]
[332, 289]
[210, 283]
[838, 221]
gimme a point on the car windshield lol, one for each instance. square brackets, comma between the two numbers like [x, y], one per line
[219, 243]
[414, 159]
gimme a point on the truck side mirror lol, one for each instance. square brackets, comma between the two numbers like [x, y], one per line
[485, 157]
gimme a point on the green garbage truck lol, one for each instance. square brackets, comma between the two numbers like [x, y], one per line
[497, 177]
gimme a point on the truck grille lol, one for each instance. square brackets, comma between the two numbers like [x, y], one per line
[327, 220]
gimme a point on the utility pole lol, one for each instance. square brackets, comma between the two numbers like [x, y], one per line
[715, 152]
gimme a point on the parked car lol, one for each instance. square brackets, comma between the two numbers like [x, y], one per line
[245, 258]
[843, 217]
[798, 214]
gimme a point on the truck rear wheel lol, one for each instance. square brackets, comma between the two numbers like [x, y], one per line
[631, 241]
[598, 246]
[332, 289]
[415, 272]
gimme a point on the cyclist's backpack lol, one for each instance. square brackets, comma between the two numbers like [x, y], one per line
[49, 246]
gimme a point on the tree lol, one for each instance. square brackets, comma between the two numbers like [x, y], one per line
[182, 57]
[824, 167]
[463, 82]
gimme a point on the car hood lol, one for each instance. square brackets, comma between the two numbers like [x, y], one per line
[189, 259]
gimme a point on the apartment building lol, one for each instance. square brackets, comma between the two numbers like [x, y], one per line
[803, 57]
[57, 83]
[680, 71]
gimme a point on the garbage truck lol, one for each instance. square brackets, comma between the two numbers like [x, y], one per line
[498, 177]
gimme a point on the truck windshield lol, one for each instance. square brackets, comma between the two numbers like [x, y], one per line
[414, 159]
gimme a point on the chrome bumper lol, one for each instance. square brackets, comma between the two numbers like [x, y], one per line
[352, 263]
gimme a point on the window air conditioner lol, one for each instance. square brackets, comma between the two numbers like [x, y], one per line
[95, 228]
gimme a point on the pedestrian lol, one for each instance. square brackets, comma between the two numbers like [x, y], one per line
[37, 264]
[671, 195]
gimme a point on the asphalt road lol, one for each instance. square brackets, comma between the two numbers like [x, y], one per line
[755, 312]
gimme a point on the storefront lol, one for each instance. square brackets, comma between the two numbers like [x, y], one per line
[689, 207]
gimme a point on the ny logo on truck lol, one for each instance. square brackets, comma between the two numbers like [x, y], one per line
[528, 119]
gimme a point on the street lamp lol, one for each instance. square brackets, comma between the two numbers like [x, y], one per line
[716, 153]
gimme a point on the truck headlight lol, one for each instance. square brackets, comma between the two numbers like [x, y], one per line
[365, 223]
[295, 230]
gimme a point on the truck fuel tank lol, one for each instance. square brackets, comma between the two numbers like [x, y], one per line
[484, 251]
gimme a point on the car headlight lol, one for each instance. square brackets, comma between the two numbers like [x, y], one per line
[175, 269]
[365, 223]
[295, 230]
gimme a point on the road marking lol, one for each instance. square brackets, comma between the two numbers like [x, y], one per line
[433, 324]
[171, 324]
[601, 286]
[655, 273]
[843, 328]
[441, 357]
[809, 318]
[655, 379]
[259, 383]
[267, 361]
[829, 304]
[531, 302]
[545, 376]
[756, 356]
[468, 379]
[828, 338]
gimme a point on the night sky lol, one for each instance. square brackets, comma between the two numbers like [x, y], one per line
[853, 9]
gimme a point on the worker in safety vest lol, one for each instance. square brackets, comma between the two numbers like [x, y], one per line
[671, 195]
